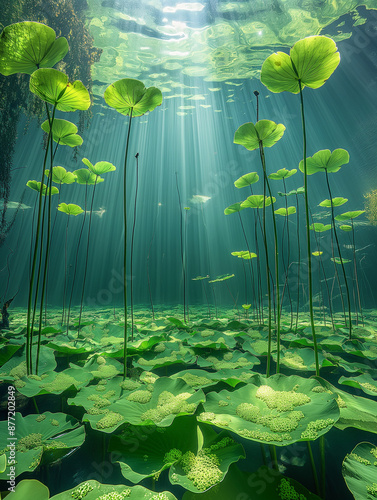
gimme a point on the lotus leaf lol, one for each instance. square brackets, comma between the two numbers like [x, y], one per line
[30, 488]
[27, 46]
[359, 471]
[54, 87]
[300, 190]
[265, 132]
[70, 209]
[61, 176]
[256, 201]
[244, 254]
[318, 227]
[247, 180]
[236, 207]
[335, 202]
[85, 176]
[325, 161]
[349, 215]
[49, 435]
[131, 96]
[277, 410]
[311, 61]
[101, 167]
[340, 260]
[283, 173]
[36, 186]
[63, 132]
[286, 211]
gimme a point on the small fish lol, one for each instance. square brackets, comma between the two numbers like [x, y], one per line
[199, 199]
[13, 205]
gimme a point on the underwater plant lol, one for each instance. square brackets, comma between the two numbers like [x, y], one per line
[310, 64]
[183, 253]
[130, 98]
[265, 133]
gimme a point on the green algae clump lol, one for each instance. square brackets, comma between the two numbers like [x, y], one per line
[29, 442]
[248, 412]
[168, 404]
[140, 397]
[281, 400]
[202, 469]
[287, 491]
[194, 380]
[129, 384]
[316, 426]
[172, 456]
[81, 492]
[109, 420]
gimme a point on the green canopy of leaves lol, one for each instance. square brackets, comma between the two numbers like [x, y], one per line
[36, 186]
[27, 46]
[359, 471]
[70, 209]
[283, 173]
[265, 132]
[256, 201]
[325, 161]
[247, 180]
[131, 96]
[311, 61]
[54, 87]
[63, 132]
[61, 176]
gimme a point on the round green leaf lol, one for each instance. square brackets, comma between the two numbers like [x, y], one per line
[359, 471]
[335, 202]
[61, 176]
[266, 132]
[27, 46]
[286, 211]
[324, 160]
[339, 260]
[318, 227]
[236, 207]
[349, 215]
[63, 132]
[36, 186]
[85, 176]
[70, 209]
[312, 60]
[247, 180]
[244, 254]
[345, 227]
[128, 95]
[283, 173]
[101, 167]
[278, 410]
[31, 488]
[256, 201]
[53, 86]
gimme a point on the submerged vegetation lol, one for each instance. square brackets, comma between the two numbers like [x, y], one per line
[180, 403]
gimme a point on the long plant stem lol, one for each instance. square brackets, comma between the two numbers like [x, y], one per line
[251, 270]
[299, 261]
[29, 327]
[65, 268]
[356, 275]
[314, 470]
[310, 277]
[182, 249]
[87, 254]
[323, 466]
[132, 248]
[341, 260]
[148, 277]
[263, 160]
[125, 245]
[76, 258]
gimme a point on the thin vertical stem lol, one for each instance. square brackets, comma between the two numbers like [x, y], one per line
[310, 277]
[132, 247]
[182, 250]
[356, 275]
[314, 470]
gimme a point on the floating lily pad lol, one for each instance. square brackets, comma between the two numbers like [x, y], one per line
[364, 382]
[36, 439]
[359, 470]
[93, 490]
[230, 360]
[283, 173]
[70, 209]
[349, 215]
[335, 202]
[278, 410]
[232, 209]
[85, 176]
[36, 186]
[61, 176]
[285, 211]
[30, 488]
[198, 457]
[101, 167]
